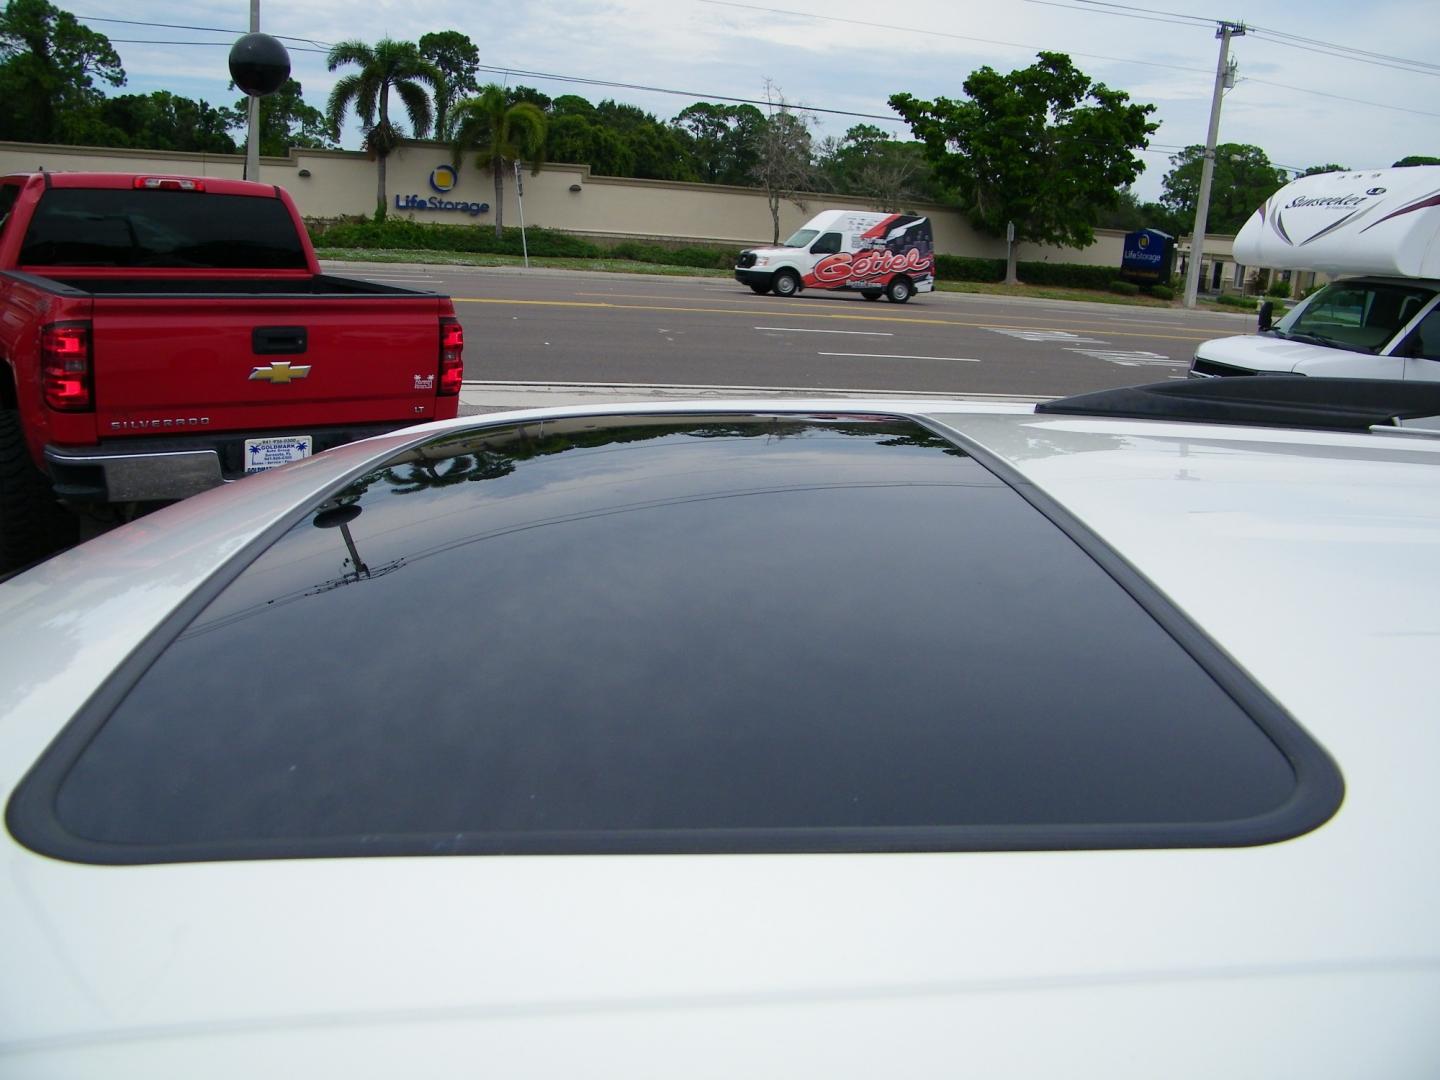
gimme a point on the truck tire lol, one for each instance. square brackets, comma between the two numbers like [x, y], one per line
[32, 523]
[899, 290]
[785, 283]
[872, 294]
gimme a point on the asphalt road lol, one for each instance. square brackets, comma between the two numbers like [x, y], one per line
[579, 327]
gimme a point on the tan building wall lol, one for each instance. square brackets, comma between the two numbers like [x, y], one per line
[333, 183]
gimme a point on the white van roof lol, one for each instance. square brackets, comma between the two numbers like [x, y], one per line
[852, 222]
[1378, 221]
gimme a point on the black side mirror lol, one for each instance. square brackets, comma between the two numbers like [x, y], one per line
[1267, 315]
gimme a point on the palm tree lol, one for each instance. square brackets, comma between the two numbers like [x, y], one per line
[390, 65]
[499, 132]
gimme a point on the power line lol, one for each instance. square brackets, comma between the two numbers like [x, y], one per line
[1276, 37]
[222, 44]
[937, 34]
[1353, 55]
[1349, 48]
[1148, 11]
[183, 26]
[1340, 97]
[1122, 14]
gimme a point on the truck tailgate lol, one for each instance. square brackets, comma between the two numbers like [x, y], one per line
[228, 363]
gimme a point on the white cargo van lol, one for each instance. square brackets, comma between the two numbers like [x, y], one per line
[1381, 320]
[891, 255]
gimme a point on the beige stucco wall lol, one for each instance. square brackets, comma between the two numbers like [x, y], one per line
[332, 183]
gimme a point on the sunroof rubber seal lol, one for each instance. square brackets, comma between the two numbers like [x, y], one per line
[1317, 796]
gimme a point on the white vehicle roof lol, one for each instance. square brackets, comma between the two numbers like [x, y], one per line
[1308, 557]
[1381, 221]
[847, 221]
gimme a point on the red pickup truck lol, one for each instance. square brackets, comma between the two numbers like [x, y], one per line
[160, 335]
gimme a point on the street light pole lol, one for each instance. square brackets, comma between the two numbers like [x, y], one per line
[1207, 169]
[252, 141]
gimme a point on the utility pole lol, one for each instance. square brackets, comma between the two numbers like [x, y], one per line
[252, 141]
[1224, 77]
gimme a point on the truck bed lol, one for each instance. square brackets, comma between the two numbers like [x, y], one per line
[110, 285]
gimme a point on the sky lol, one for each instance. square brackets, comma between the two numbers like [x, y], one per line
[1316, 83]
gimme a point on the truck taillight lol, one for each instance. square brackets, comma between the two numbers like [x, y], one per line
[169, 183]
[65, 366]
[452, 363]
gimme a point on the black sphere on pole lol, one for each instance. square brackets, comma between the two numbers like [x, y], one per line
[259, 64]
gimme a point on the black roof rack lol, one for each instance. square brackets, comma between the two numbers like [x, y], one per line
[1267, 400]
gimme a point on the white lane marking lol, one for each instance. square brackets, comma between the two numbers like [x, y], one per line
[1135, 358]
[894, 356]
[797, 330]
[1057, 336]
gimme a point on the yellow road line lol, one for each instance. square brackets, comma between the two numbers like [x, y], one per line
[772, 314]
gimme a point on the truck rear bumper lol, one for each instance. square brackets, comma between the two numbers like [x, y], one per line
[106, 476]
[154, 470]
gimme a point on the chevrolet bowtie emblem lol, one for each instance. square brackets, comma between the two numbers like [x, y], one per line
[279, 372]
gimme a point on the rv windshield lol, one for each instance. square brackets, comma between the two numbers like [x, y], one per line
[802, 238]
[1358, 315]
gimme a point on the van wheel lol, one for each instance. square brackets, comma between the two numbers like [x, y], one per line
[899, 290]
[32, 523]
[759, 290]
[786, 283]
[872, 294]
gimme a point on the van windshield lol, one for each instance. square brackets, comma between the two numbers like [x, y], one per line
[802, 238]
[1362, 316]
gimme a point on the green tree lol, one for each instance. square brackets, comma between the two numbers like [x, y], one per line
[1042, 147]
[1316, 170]
[1243, 179]
[49, 64]
[871, 163]
[515, 94]
[722, 141]
[166, 121]
[498, 133]
[1415, 159]
[458, 60]
[389, 65]
[656, 150]
[286, 121]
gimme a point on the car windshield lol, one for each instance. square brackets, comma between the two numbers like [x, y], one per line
[1359, 315]
[802, 238]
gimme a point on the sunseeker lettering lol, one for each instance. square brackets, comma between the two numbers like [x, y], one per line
[1333, 200]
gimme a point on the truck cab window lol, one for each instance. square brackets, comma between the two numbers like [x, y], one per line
[828, 244]
[8, 194]
[1425, 341]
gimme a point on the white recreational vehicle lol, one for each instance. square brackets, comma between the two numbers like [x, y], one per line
[890, 255]
[1380, 229]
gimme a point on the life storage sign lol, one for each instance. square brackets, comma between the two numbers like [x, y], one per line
[1148, 256]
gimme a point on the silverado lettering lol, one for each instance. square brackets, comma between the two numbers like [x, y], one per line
[139, 425]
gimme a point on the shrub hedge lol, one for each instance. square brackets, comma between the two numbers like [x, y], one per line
[1231, 300]
[402, 234]
[1125, 288]
[1161, 292]
[398, 233]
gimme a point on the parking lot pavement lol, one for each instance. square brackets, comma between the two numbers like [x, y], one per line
[483, 397]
